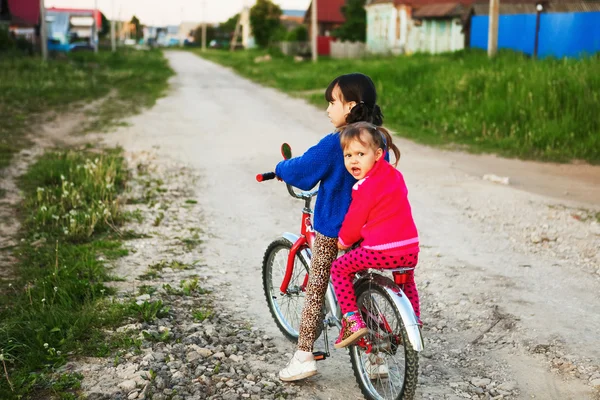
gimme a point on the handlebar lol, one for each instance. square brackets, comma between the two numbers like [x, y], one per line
[302, 195]
[267, 176]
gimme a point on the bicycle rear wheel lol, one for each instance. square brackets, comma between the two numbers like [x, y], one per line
[390, 370]
[286, 308]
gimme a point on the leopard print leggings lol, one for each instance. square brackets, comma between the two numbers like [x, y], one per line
[324, 253]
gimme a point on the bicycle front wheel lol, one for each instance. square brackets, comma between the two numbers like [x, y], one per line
[389, 371]
[286, 308]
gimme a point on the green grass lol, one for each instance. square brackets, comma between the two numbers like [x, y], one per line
[29, 88]
[60, 302]
[514, 106]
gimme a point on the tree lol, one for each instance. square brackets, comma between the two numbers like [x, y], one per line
[229, 25]
[265, 22]
[105, 28]
[138, 28]
[212, 33]
[355, 27]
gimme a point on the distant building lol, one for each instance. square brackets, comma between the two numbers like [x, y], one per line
[292, 18]
[329, 17]
[408, 26]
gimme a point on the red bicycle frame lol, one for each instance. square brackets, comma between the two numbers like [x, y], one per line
[306, 240]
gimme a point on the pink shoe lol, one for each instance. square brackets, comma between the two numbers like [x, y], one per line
[353, 328]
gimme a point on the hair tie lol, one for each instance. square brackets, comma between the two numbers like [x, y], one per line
[361, 102]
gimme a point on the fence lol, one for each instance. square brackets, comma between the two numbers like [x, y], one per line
[295, 48]
[347, 49]
[560, 35]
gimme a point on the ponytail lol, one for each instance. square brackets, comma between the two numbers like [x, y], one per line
[362, 112]
[389, 144]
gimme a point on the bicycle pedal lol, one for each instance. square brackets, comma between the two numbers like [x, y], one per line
[319, 355]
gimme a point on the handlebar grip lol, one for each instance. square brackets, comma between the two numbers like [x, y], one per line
[265, 177]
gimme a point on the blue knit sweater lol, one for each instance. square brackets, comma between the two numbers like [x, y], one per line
[324, 164]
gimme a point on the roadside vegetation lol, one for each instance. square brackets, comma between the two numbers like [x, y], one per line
[514, 106]
[71, 214]
[58, 305]
[31, 91]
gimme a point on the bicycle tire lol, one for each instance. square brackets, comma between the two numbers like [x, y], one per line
[289, 325]
[371, 383]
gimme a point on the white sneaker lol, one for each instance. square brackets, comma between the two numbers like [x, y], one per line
[296, 370]
[375, 367]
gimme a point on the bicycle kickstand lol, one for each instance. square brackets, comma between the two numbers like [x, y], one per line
[322, 355]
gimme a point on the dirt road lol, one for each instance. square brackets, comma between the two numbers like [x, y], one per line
[509, 277]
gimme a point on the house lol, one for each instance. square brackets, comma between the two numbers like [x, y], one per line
[20, 13]
[409, 26]
[567, 28]
[292, 18]
[329, 17]
[65, 24]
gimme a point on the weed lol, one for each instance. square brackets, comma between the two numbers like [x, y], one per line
[135, 215]
[148, 311]
[203, 314]
[191, 243]
[171, 290]
[159, 218]
[189, 201]
[148, 276]
[154, 336]
[145, 289]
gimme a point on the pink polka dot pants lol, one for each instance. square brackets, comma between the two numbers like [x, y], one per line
[360, 259]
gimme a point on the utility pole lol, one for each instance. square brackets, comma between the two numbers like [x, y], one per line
[315, 29]
[43, 31]
[113, 41]
[493, 28]
[204, 25]
[95, 27]
[236, 32]
[539, 8]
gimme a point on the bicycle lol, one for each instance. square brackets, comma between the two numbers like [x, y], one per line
[385, 361]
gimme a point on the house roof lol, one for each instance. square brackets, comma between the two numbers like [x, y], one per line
[24, 11]
[440, 10]
[529, 7]
[327, 11]
[79, 12]
[421, 3]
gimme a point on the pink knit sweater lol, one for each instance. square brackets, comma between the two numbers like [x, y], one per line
[380, 213]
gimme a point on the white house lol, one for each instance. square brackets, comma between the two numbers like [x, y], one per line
[397, 26]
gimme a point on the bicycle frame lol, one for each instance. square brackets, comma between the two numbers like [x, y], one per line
[305, 240]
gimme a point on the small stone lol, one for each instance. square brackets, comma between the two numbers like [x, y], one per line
[133, 395]
[192, 356]
[127, 385]
[204, 352]
[220, 355]
[595, 382]
[481, 382]
[508, 386]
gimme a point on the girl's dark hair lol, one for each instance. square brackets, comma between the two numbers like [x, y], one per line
[378, 137]
[359, 88]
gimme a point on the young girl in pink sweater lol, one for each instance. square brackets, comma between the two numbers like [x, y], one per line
[380, 215]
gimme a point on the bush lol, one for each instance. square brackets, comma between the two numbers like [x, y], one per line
[298, 34]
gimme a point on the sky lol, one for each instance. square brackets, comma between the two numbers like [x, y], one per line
[171, 12]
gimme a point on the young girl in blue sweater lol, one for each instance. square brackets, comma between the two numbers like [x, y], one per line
[352, 98]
